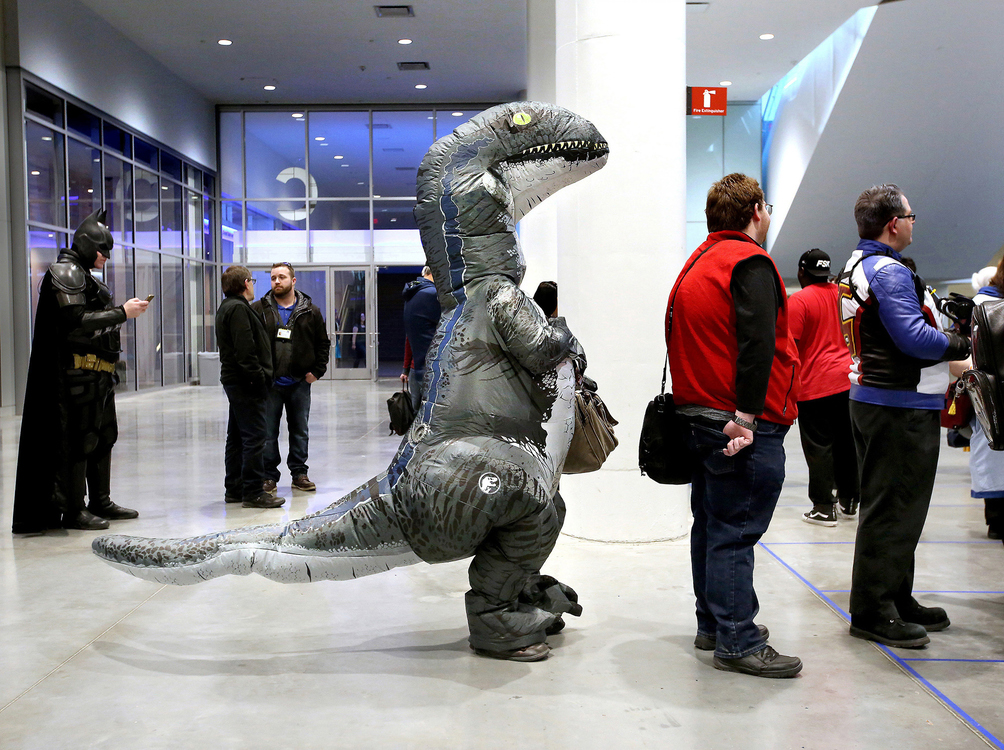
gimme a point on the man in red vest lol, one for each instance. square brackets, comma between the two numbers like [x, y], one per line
[735, 378]
[824, 418]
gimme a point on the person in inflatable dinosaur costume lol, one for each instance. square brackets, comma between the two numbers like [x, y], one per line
[477, 473]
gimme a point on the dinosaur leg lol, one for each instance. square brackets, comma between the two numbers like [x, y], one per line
[358, 535]
[502, 612]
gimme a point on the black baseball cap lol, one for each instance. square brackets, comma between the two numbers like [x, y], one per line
[815, 263]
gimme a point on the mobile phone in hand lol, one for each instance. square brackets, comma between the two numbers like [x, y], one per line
[149, 297]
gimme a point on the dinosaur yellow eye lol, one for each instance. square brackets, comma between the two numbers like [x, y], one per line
[521, 118]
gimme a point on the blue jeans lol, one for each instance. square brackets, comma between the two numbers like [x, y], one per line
[415, 381]
[733, 499]
[296, 400]
[243, 455]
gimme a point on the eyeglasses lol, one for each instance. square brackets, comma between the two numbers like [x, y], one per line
[249, 280]
[911, 217]
[769, 207]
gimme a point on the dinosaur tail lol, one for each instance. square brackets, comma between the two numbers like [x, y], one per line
[356, 536]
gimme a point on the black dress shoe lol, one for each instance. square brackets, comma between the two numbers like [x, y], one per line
[84, 520]
[111, 511]
[932, 618]
[993, 533]
[764, 663]
[889, 632]
[708, 642]
[536, 652]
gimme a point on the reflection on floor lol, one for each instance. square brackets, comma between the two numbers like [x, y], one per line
[90, 657]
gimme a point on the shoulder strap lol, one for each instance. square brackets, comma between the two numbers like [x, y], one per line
[672, 302]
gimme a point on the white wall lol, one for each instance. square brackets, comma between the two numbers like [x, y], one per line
[68, 45]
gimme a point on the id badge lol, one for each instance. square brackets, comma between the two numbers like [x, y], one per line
[283, 333]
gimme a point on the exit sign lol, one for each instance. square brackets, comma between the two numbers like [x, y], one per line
[707, 100]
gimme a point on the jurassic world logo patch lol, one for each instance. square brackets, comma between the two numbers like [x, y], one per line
[489, 483]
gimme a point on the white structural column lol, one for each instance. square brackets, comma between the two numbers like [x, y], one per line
[621, 235]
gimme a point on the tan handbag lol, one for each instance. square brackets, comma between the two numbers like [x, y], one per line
[594, 434]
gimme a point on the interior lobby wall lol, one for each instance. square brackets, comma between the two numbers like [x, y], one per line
[68, 45]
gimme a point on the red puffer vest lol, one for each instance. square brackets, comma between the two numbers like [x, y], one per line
[703, 347]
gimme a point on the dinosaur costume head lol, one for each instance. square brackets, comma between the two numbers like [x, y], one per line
[475, 184]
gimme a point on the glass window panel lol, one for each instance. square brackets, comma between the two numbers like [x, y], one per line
[396, 237]
[85, 180]
[83, 122]
[231, 166]
[46, 199]
[274, 233]
[146, 190]
[42, 104]
[148, 327]
[232, 236]
[340, 153]
[339, 232]
[194, 302]
[170, 165]
[146, 153]
[193, 224]
[208, 222]
[313, 283]
[118, 198]
[118, 140]
[208, 184]
[172, 212]
[449, 120]
[118, 276]
[350, 318]
[193, 177]
[209, 307]
[274, 155]
[400, 142]
[173, 305]
[43, 247]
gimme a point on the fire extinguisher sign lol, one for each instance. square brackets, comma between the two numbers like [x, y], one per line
[707, 100]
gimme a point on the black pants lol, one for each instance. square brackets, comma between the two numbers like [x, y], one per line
[898, 457]
[824, 427]
[91, 429]
[244, 455]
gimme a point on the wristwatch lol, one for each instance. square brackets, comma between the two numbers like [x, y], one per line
[743, 423]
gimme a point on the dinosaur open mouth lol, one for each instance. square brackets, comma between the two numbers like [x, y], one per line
[567, 150]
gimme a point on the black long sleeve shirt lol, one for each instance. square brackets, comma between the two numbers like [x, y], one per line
[757, 295]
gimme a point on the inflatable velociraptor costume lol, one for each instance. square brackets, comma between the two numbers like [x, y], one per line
[477, 473]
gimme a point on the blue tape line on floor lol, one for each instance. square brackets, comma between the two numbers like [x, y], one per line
[969, 720]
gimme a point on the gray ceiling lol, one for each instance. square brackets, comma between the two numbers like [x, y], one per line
[341, 52]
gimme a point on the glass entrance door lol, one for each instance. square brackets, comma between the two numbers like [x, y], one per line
[349, 311]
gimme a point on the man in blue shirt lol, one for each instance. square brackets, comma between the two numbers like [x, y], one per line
[899, 376]
[421, 317]
[300, 350]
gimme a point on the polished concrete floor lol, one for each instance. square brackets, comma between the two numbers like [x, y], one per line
[92, 658]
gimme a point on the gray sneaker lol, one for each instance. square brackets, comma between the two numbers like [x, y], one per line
[821, 515]
[269, 486]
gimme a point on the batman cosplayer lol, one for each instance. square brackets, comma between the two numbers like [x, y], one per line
[68, 426]
[477, 473]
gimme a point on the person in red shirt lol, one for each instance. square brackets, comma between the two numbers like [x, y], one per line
[824, 422]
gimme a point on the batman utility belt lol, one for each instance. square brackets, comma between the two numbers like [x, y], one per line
[92, 362]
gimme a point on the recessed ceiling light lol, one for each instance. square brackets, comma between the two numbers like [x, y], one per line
[97, 161]
[270, 87]
[725, 83]
[46, 137]
[765, 37]
[360, 183]
[35, 173]
[393, 219]
[345, 165]
[325, 144]
[318, 137]
[376, 196]
[90, 190]
[421, 86]
[458, 114]
[339, 156]
[224, 42]
[298, 115]
[404, 41]
[163, 187]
